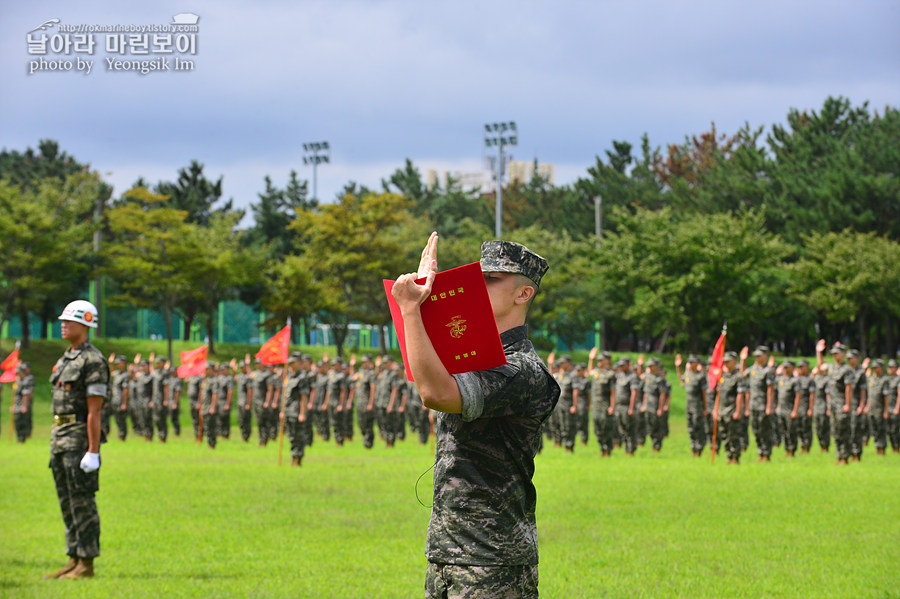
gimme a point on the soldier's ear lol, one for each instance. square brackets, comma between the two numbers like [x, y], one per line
[524, 295]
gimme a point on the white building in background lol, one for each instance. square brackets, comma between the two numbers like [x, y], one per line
[516, 171]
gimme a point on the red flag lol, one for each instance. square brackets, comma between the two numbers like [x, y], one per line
[193, 362]
[8, 366]
[718, 355]
[275, 350]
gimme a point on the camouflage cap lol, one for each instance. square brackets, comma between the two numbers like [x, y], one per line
[605, 355]
[387, 358]
[23, 366]
[788, 362]
[761, 350]
[653, 362]
[295, 356]
[730, 355]
[580, 366]
[508, 256]
[121, 359]
[693, 358]
[337, 362]
[625, 360]
[564, 358]
[839, 348]
[802, 363]
[306, 357]
[159, 359]
[852, 353]
[877, 363]
[892, 363]
[144, 362]
[366, 358]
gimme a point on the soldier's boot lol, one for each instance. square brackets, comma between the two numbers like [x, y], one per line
[84, 569]
[295, 461]
[73, 561]
[879, 451]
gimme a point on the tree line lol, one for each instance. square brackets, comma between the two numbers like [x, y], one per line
[788, 234]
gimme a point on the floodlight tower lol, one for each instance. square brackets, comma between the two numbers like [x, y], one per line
[500, 135]
[316, 153]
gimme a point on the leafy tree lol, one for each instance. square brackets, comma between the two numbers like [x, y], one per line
[276, 209]
[45, 250]
[196, 195]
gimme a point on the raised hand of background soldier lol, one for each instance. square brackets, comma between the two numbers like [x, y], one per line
[771, 362]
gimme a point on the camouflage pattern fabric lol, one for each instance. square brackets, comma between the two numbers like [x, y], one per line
[364, 379]
[566, 382]
[582, 414]
[446, 581]
[893, 424]
[729, 428]
[786, 389]
[193, 392]
[333, 391]
[118, 385]
[296, 390]
[160, 380]
[626, 382]
[859, 424]
[821, 417]
[806, 387]
[484, 499]
[760, 378]
[244, 415]
[602, 381]
[875, 398]
[694, 384]
[22, 421]
[80, 373]
[175, 384]
[841, 376]
[226, 386]
[507, 256]
[653, 386]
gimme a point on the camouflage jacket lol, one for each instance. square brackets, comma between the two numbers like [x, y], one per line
[729, 386]
[118, 384]
[364, 380]
[759, 379]
[241, 382]
[23, 386]
[80, 373]
[296, 389]
[653, 386]
[484, 500]
[694, 383]
[875, 394]
[602, 381]
[786, 388]
[625, 383]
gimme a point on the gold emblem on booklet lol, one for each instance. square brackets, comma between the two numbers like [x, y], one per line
[457, 326]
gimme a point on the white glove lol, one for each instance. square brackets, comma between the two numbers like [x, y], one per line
[90, 462]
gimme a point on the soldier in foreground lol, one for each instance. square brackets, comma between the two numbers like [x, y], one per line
[696, 406]
[296, 394]
[80, 383]
[603, 400]
[728, 414]
[761, 379]
[482, 538]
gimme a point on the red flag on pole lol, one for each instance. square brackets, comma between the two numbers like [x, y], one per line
[718, 355]
[275, 350]
[8, 366]
[193, 362]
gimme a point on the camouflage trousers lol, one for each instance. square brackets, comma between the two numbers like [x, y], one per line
[175, 416]
[424, 426]
[195, 420]
[878, 429]
[626, 425]
[567, 427]
[603, 428]
[804, 431]
[386, 424]
[161, 420]
[745, 432]
[655, 426]
[245, 421]
[894, 430]
[640, 428]
[582, 419]
[296, 433]
[365, 419]
[210, 425]
[121, 418]
[22, 424]
[788, 426]
[225, 424]
[696, 427]
[322, 423]
[449, 581]
[730, 431]
[335, 420]
[840, 428]
[763, 431]
[823, 430]
[859, 426]
[75, 490]
[105, 415]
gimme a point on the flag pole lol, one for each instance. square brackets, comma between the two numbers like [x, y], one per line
[283, 383]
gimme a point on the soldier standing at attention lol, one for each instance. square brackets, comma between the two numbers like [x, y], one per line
[321, 405]
[821, 412]
[603, 400]
[696, 406]
[567, 405]
[858, 420]
[762, 396]
[385, 390]
[482, 538]
[363, 392]
[334, 399]
[275, 386]
[651, 405]
[80, 384]
[729, 411]
[23, 396]
[226, 396]
[627, 384]
[582, 414]
[787, 396]
[806, 392]
[142, 405]
[259, 389]
[175, 400]
[347, 412]
[194, 383]
[296, 394]
[244, 407]
[209, 405]
[119, 392]
[892, 399]
[159, 399]
[877, 407]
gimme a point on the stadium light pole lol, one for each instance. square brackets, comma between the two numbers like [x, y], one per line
[316, 153]
[599, 325]
[500, 135]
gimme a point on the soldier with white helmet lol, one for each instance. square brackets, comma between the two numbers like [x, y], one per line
[80, 383]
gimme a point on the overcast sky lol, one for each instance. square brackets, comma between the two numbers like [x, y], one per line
[386, 80]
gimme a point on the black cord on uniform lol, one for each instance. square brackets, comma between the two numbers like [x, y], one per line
[417, 487]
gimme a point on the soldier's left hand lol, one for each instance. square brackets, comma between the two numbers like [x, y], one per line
[659, 413]
[735, 416]
[572, 410]
[90, 462]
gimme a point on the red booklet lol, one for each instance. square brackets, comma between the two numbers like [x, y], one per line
[458, 319]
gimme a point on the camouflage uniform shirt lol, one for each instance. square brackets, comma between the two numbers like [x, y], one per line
[80, 373]
[23, 386]
[484, 500]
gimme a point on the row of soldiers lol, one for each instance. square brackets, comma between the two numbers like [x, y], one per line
[23, 400]
[301, 396]
[628, 403]
[849, 400]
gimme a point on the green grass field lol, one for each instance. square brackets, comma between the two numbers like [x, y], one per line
[180, 520]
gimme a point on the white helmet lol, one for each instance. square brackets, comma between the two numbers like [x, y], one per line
[81, 311]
